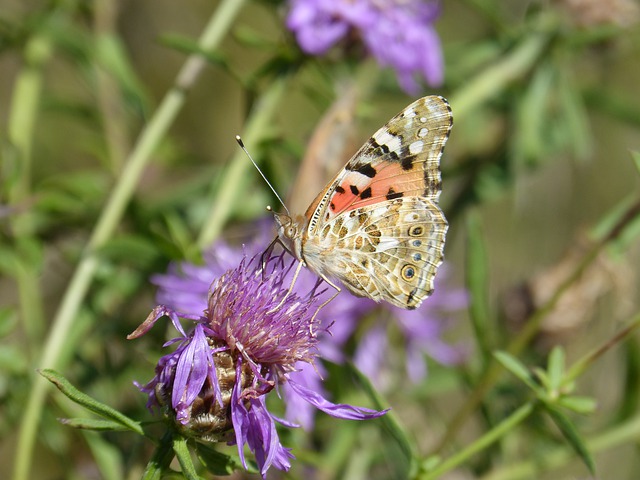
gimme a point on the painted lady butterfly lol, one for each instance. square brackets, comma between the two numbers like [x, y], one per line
[377, 226]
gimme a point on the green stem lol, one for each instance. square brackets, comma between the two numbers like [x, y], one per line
[483, 442]
[583, 364]
[232, 187]
[107, 223]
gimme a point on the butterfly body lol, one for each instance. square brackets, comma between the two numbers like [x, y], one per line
[377, 227]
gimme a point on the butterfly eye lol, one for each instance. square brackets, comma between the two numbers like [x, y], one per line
[290, 232]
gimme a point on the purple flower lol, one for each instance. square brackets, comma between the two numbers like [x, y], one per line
[398, 33]
[249, 340]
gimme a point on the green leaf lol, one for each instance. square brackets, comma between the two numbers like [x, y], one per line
[516, 368]
[574, 116]
[112, 55]
[477, 283]
[96, 424]
[555, 369]
[89, 403]
[219, 463]
[529, 144]
[391, 424]
[572, 436]
[578, 404]
[183, 455]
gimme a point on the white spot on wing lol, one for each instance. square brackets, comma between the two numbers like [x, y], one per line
[409, 113]
[386, 243]
[416, 147]
[423, 132]
[385, 138]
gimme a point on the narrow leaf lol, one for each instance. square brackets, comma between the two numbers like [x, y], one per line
[583, 405]
[516, 368]
[574, 117]
[89, 403]
[184, 457]
[573, 437]
[390, 423]
[555, 368]
[96, 424]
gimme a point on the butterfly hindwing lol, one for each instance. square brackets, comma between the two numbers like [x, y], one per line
[387, 251]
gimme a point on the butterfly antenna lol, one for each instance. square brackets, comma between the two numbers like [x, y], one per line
[241, 143]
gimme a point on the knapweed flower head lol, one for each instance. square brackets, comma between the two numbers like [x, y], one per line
[248, 341]
[397, 33]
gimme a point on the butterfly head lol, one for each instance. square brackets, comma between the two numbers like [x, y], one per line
[289, 233]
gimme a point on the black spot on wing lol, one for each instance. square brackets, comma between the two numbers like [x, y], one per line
[354, 189]
[392, 194]
[375, 145]
[407, 162]
[366, 169]
[366, 193]
[339, 189]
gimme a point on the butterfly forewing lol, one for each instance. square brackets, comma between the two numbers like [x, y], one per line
[401, 159]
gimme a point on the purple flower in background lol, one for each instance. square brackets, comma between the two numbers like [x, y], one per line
[397, 33]
[248, 340]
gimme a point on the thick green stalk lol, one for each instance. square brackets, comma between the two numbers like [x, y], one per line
[107, 223]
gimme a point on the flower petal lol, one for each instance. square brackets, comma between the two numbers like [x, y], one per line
[338, 410]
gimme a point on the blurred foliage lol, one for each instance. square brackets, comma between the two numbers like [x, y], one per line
[540, 190]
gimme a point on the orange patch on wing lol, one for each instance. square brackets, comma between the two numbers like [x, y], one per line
[391, 181]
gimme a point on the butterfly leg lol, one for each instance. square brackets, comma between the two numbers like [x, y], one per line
[293, 282]
[325, 303]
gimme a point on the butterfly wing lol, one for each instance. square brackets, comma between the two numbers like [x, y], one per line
[387, 251]
[377, 226]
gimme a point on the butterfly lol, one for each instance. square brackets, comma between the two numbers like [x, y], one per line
[376, 227]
